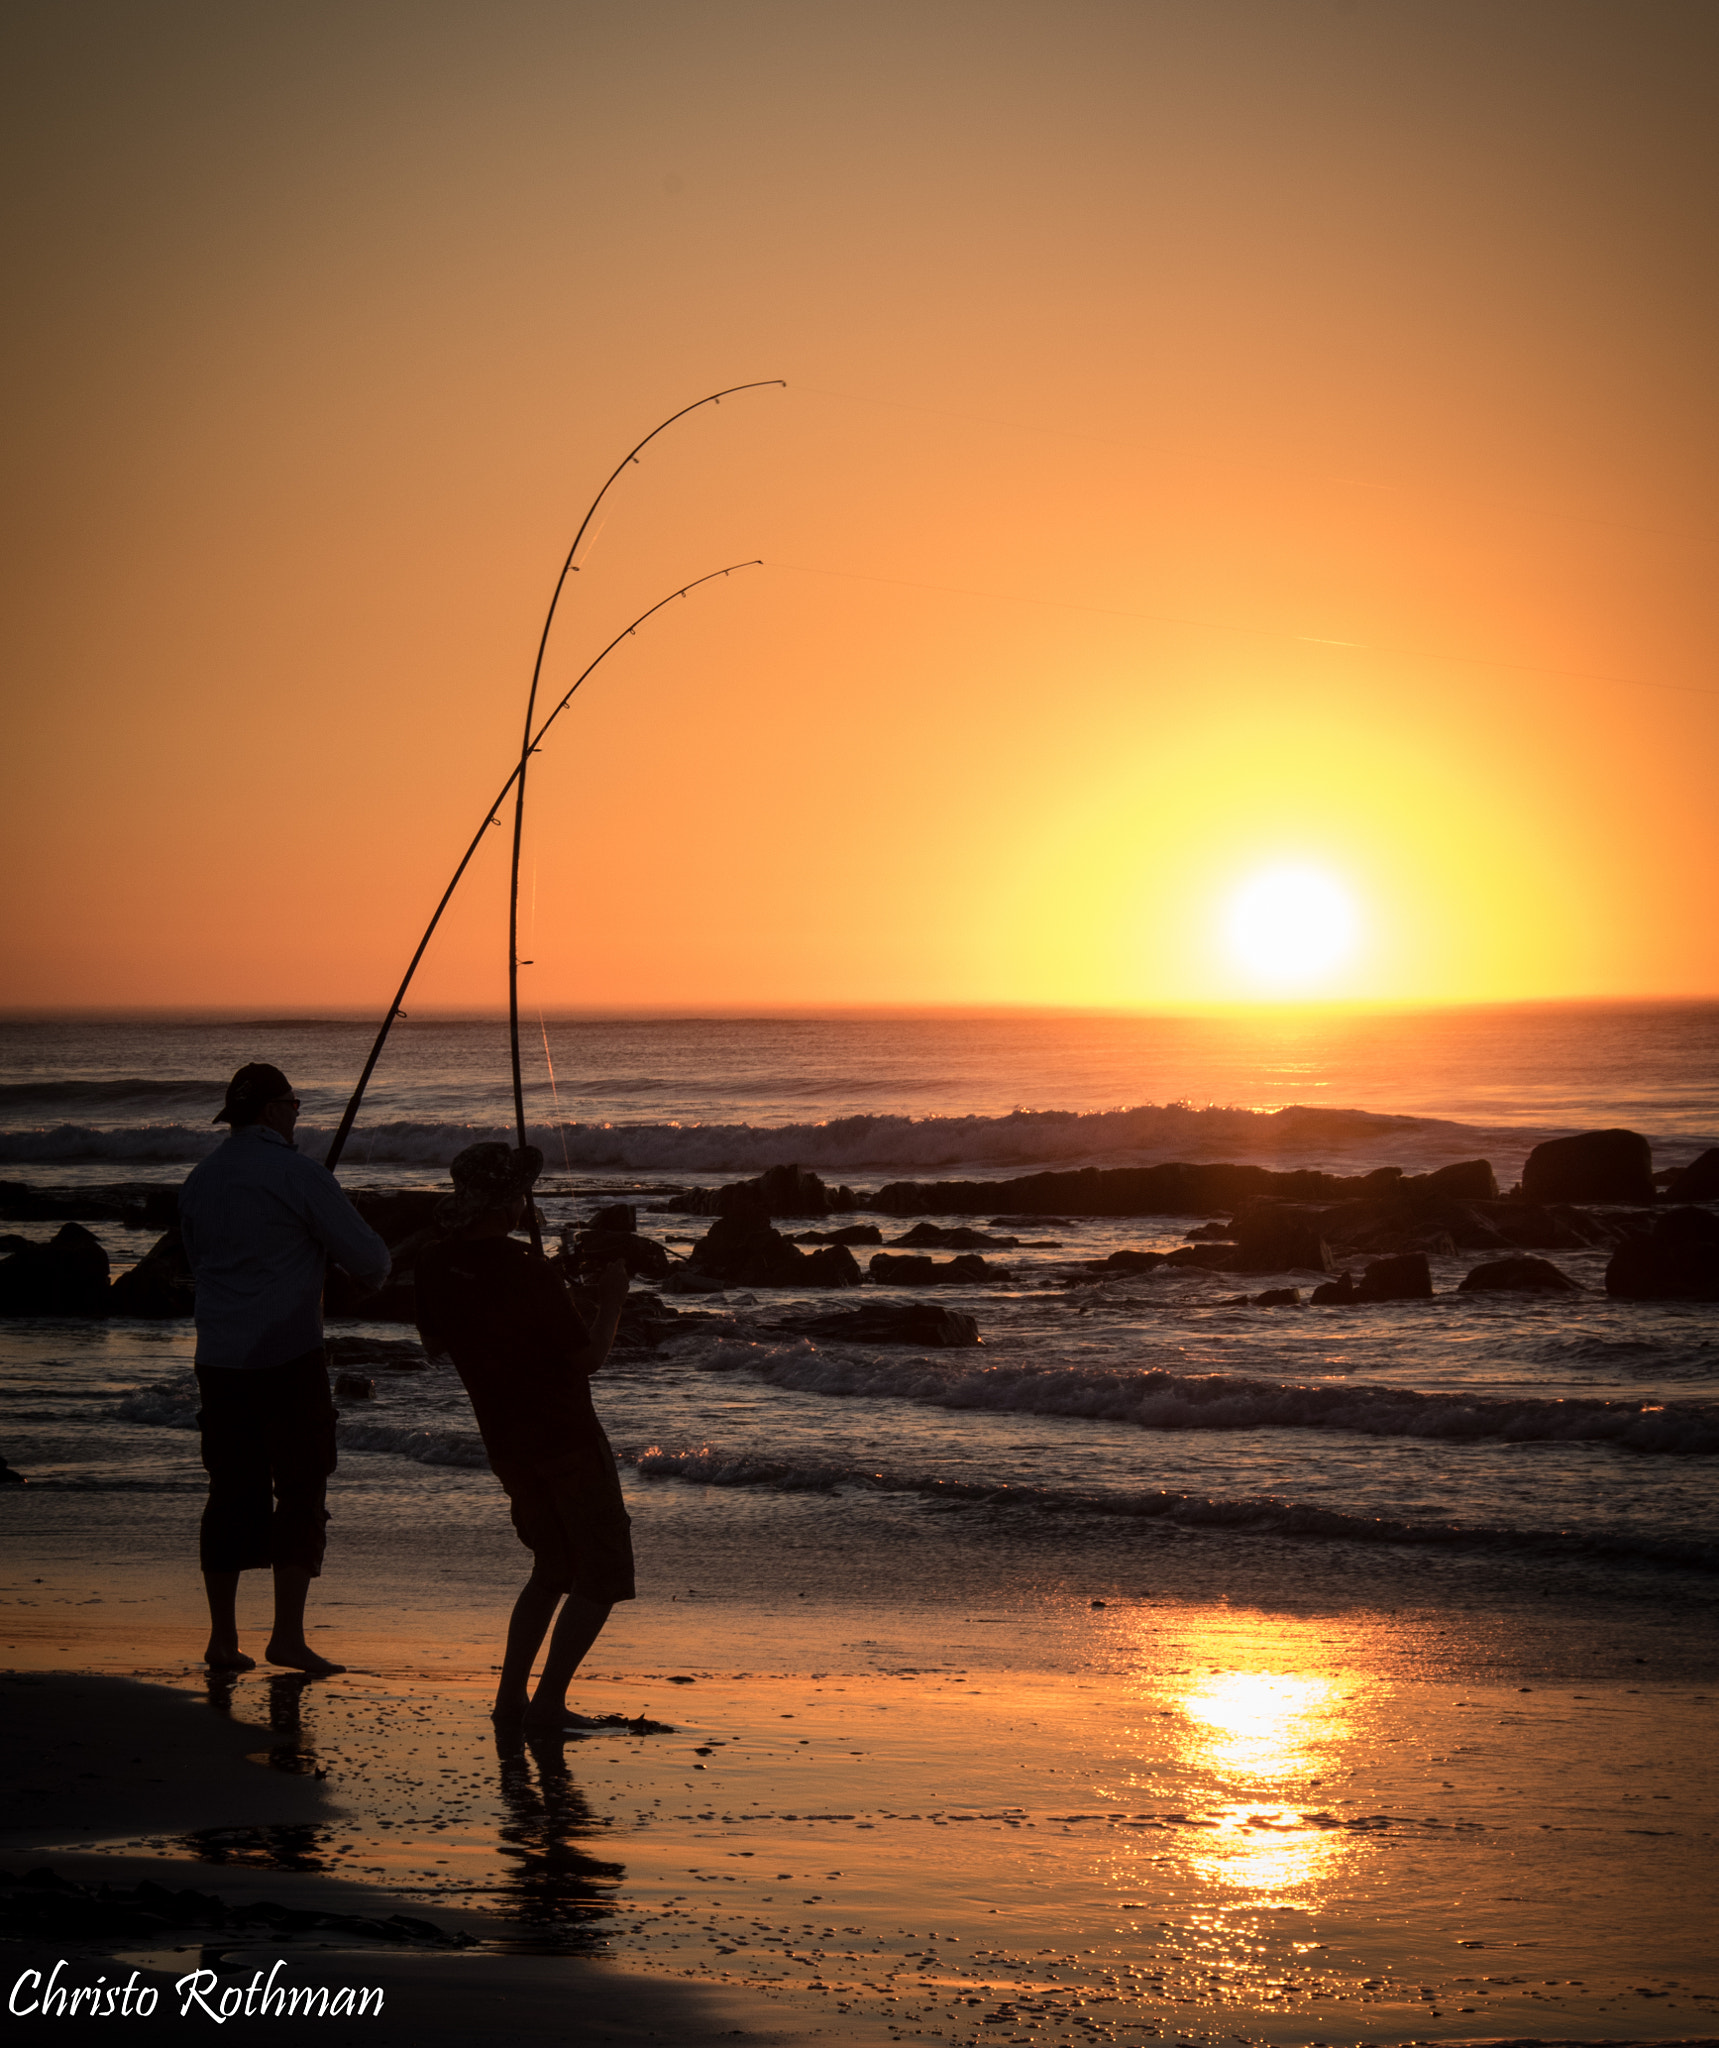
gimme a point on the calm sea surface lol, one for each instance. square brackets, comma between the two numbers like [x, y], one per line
[1574, 1433]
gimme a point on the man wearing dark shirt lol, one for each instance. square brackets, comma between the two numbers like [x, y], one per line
[526, 1360]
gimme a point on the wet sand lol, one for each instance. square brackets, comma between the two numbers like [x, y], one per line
[1160, 1819]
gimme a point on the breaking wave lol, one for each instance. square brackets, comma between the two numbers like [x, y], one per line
[1260, 1514]
[1337, 1139]
[1160, 1400]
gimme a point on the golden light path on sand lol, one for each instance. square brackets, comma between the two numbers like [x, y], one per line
[1254, 1834]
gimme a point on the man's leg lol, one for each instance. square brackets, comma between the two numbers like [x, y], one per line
[287, 1644]
[234, 1535]
[301, 1456]
[529, 1623]
[579, 1627]
[223, 1653]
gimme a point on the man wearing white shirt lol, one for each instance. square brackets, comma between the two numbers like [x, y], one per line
[260, 1223]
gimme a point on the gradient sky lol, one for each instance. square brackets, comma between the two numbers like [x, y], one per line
[1219, 435]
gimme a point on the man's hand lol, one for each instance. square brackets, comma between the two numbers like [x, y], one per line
[612, 1285]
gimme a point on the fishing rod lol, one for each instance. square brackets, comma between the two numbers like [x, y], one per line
[526, 745]
[332, 1158]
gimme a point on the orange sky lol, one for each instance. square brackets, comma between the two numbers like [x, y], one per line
[1219, 435]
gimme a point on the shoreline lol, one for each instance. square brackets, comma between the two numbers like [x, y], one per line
[1196, 1822]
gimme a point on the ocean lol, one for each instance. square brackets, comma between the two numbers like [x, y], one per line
[1509, 1434]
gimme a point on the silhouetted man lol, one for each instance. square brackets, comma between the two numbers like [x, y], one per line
[260, 1223]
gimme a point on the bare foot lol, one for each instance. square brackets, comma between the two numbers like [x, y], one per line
[300, 1656]
[228, 1657]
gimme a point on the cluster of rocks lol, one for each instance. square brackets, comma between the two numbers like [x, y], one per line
[1595, 1190]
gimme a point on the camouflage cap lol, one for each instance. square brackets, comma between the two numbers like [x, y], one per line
[487, 1176]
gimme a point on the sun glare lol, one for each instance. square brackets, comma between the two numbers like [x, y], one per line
[1290, 926]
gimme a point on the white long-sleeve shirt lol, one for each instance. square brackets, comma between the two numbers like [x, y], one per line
[260, 1223]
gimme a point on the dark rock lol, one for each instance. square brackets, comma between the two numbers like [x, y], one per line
[1405, 1278]
[890, 1322]
[931, 1236]
[393, 1354]
[10, 1478]
[1437, 1244]
[65, 1277]
[1338, 1291]
[1593, 1166]
[1210, 1233]
[780, 1190]
[1278, 1297]
[743, 1250]
[354, 1386]
[11, 1242]
[617, 1216]
[1212, 1258]
[1679, 1262]
[643, 1257]
[850, 1233]
[1532, 1226]
[141, 1204]
[890, 1270]
[1273, 1237]
[159, 1286]
[1128, 1261]
[1520, 1275]
[1696, 1182]
[1469, 1180]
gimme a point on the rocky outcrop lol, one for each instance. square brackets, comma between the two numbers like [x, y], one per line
[1519, 1275]
[744, 1250]
[1469, 1180]
[615, 1216]
[643, 1257]
[933, 1237]
[783, 1191]
[392, 1354]
[1130, 1261]
[159, 1287]
[1277, 1297]
[1406, 1278]
[354, 1386]
[1678, 1262]
[65, 1277]
[850, 1233]
[1278, 1237]
[889, 1270]
[139, 1204]
[1592, 1166]
[920, 1323]
[1696, 1182]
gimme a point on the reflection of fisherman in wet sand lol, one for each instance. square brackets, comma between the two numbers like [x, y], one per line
[517, 1342]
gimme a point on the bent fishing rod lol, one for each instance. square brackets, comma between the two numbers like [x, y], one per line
[527, 745]
[332, 1158]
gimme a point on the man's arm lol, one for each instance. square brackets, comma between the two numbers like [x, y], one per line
[611, 1299]
[341, 1231]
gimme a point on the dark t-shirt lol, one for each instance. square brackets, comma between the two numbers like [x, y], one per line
[513, 1333]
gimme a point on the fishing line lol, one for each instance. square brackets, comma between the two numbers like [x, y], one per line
[528, 746]
[1523, 506]
[554, 1092]
[1102, 611]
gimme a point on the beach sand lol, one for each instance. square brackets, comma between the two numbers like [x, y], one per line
[927, 1810]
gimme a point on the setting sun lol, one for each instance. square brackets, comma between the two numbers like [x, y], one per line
[1290, 926]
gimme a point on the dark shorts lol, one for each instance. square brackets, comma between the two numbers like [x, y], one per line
[268, 1448]
[569, 1513]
